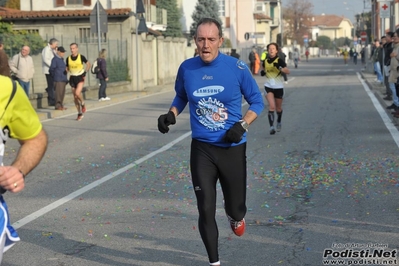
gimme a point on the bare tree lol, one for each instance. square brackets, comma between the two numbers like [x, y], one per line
[298, 16]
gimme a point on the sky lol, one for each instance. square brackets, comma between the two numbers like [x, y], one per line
[347, 8]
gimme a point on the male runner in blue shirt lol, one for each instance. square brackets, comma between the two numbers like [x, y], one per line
[213, 85]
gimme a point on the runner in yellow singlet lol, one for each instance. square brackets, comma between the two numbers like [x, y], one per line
[75, 65]
[273, 67]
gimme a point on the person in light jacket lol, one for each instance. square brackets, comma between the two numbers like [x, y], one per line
[22, 65]
[48, 54]
[394, 75]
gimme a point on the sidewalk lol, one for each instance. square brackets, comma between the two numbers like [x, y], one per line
[379, 92]
[91, 100]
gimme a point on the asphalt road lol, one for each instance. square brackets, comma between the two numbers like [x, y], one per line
[112, 190]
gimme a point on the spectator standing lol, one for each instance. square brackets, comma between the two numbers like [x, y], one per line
[48, 54]
[355, 57]
[351, 54]
[257, 63]
[394, 74]
[289, 57]
[218, 147]
[252, 59]
[377, 62]
[58, 74]
[363, 55]
[295, 56]
[387, 50]
[102, 75]
[75, 65]
[4, 68]
[19, 121]
[22, 66]
[234, 53]
[307, 55]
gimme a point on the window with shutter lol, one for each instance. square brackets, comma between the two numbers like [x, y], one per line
[59, 3]
[87, 2]
[78, 2]
[74, 2]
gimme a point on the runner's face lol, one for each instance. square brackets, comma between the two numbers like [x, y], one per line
[272, 50]
[74, 49]
[208, 41]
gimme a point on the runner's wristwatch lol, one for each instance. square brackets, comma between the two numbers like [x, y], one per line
[244, 124]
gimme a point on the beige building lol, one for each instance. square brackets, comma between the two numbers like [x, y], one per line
[332, 26]
[141, 54]
[258, 19]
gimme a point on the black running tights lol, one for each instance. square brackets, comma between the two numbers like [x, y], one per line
[209, 164]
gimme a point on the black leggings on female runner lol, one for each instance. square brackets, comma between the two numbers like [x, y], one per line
[208, 164]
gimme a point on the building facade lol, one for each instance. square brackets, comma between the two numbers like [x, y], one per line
[143, 52]
[332, 26]
[258, 19]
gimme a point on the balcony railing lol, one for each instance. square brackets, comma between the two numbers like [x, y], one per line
[157, 15]
[275, 22]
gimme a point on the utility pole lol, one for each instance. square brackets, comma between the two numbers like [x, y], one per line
[98, 27]
[281, 24]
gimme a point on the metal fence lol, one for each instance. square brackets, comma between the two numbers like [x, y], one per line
[117, 59]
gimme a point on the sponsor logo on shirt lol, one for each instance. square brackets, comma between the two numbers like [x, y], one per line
[207, 77]
[208, 91]
[241, 64]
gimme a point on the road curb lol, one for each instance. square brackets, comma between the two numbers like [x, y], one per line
[50, 113]
[379, 95]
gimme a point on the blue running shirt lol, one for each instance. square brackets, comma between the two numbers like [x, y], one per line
[214, 92]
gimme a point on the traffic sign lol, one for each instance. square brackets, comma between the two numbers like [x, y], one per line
[385, 9]
[98, 19]
[363, 36]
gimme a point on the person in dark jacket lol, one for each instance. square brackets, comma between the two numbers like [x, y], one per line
[252, 60]
[234, 53]
[378, 62]
[58, 72]
[387, 47]
[102, 76]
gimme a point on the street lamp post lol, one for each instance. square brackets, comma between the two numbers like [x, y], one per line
[281, 23]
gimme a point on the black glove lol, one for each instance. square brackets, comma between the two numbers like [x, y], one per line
[235, 133]
[65, 72]
[276, 65]
[262, 73]
[164, 121]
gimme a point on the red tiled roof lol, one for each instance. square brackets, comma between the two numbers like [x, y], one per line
[154, 32]
[13, 14]
[327, 20]
[261, 16]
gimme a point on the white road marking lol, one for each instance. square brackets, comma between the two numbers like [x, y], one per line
[385, 118]
[96, 183]
[58, 203]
